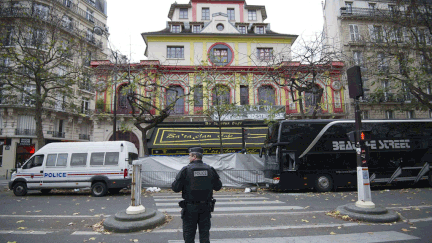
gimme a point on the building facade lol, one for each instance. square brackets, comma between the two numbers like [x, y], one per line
[230, 42]
[390, 44]
[63, 119]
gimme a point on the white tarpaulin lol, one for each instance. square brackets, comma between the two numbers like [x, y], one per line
[235, 170]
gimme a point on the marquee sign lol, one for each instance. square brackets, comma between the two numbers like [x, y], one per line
[165, 137]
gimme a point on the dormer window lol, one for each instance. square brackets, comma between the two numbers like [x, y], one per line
[175, 29]
[220, 27]
[252, 14]
[259, 30]
[183, 13]
[242, 29]
[196, 28]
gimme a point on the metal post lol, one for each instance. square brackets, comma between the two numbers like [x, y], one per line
[136, 207]
[363, 183]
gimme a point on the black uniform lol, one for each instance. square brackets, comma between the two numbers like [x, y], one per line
[197, 182]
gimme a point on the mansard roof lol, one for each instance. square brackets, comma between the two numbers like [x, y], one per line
[188, 32]
[189, 5]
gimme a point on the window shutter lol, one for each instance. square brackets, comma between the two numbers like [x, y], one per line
[406, 37]
[371, 33]
[352, 32]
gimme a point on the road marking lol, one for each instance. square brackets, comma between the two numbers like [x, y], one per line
[420, 220]
[85, 233]
[214, 195]
[402, 207]
[218, 198]
[29, 232]
[228, 203]
[54, 216]
[264, 228]
[383, 236]
[284, 227]
[230, 209]
[261, 213]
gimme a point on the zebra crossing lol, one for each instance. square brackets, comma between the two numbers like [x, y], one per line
[227, 203]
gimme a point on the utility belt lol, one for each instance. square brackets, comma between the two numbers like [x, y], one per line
[210, 203]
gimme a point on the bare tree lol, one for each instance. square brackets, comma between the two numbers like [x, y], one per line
[310, 62]
[43, 57]
[145, 93]
[400, 54]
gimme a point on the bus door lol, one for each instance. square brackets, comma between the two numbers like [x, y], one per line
[288, 160]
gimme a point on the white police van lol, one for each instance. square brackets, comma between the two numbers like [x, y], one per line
[103, 166]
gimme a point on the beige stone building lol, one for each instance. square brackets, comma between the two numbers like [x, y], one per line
[78, 20]
[365, 34]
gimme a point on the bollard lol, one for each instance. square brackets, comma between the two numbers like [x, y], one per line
[136, 207]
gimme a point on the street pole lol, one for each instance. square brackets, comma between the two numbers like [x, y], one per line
[115, 100]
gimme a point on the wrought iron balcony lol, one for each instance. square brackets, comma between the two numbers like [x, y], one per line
[56, 134]
[72, 26]
[29, 132]
[365, 12]
[84, 137]
[320, 109]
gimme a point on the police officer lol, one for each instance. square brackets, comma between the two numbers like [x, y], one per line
[196, 181]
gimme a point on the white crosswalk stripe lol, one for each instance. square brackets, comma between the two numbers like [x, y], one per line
[383, 236]
[228, 203]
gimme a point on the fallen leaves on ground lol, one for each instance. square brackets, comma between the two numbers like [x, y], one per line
[332, 233]
[19, 221]
[405, 230]
[98, 227]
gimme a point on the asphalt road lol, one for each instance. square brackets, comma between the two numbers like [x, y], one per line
[264, 216]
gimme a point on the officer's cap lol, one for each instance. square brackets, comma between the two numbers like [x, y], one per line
[196, 150]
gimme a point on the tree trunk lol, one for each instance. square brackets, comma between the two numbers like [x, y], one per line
[220, 136]
[38, 119]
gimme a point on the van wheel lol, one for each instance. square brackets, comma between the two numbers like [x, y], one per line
[20, 189]
[114, 190]
[324, 183]
[99, 189]
[45, 191]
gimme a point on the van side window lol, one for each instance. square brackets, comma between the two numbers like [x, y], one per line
[38, 161]
[62, 159]
[51, 159]
[78, 159]
[97, 159]
[112, 158]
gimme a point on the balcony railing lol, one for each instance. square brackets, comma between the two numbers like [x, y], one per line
[29, 132]
[320, 109]
[365, 12]
[108, 108]
[72, 26]
[56, 134]
[84, 137]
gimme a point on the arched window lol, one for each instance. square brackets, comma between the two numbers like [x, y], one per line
[312, 98]
[221, 95]
[174, 93]
[123, 106]
[266, 95]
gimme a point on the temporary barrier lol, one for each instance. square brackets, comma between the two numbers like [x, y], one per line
[239, 177]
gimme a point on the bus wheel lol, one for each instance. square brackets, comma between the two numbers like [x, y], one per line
[323, 183]
[20, 189]
[99, 189]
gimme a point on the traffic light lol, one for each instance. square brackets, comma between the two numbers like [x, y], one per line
[355, 84]
[244, 133]
[365, 136]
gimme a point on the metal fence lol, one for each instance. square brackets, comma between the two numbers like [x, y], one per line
[165, 179]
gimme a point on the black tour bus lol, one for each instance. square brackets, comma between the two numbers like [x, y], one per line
[318, 154]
